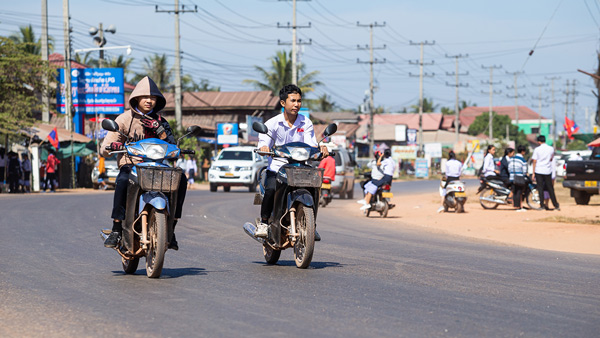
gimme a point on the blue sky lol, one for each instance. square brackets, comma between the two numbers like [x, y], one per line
[227, 38]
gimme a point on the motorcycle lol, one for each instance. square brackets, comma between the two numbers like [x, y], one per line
[293, 221]
[151, 199]
[381, 201]
[494, 193]
[455, 197]
[326, 195]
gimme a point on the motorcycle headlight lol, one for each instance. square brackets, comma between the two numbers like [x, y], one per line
[174, 153]
[155, 151]
[299, 154]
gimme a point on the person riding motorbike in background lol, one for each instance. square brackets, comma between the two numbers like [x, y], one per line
[453, 171]
[387, 165]
[283, 128]
[504, 172]
[328, 163]
[488, 170]
[139, 122]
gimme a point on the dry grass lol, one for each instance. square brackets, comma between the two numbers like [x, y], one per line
[571, 220]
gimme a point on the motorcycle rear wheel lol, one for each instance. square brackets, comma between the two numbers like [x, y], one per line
[533, 199]
[459, 208]
[305, 245]
[157, 234]
[130, 265]
[271, 255]
[489, 193]
[383, 213]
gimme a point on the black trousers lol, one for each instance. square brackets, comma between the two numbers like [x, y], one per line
[120, 198]
[544, 182]
[50, 180]
[450, 179]
[269, 197]
[518, 195]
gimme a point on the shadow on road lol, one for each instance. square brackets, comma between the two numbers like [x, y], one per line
[313, 265]
[171, 273]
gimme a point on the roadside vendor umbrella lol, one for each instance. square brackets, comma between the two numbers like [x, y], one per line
[594, 143]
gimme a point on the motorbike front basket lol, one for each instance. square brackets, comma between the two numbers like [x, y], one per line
[163, 179]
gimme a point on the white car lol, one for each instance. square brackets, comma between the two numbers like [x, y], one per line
[236, 166]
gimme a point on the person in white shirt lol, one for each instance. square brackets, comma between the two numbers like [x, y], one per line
[191, 168]
[542, 158]
[452, 173]
[283, 128]
[386, 164]
[26, 170]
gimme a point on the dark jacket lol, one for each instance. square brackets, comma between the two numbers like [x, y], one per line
[504, 173]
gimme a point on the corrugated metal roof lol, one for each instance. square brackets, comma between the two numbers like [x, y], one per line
[431, 121]
[468, 115]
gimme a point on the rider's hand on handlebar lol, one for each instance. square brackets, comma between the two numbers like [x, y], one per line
[114, 146]
[264, 149]
[325, 151]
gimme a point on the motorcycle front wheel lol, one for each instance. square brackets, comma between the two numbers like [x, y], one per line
[305, 245]
[488, 193]
[157, 234]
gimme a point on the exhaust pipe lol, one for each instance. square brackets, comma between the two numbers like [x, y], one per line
[250, 229]
[493, 200]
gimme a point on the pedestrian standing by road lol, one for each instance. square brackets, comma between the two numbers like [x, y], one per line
[205, 167]
[26, 169]
[2, 166]
[542, 158]
[14, 172]
[51, 165]
[517, 168]
[191, 168]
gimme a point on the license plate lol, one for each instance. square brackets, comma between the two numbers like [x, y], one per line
[460, 194]
[591, 183]
[228, 174]
[326, 186]
[387, 194]
[112, 179]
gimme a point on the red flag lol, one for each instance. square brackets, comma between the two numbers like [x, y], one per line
[53, 137]
[570, 127]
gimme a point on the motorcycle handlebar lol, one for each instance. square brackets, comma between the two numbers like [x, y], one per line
[188, 152]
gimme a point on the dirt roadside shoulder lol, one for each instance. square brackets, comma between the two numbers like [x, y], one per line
[575, 229]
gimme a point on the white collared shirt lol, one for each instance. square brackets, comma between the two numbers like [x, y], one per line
[453, 168]
[301, 131]
[388, 166]
[543, 156]
[488, 165]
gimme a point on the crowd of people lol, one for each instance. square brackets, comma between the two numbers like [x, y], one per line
[16, 171]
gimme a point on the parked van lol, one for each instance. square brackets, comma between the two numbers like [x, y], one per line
[344, 173]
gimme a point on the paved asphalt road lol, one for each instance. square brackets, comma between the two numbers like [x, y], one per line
[366, 279]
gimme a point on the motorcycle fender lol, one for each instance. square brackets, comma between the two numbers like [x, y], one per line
[301, 195]
[155, 198]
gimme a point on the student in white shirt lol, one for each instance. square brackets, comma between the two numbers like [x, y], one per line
[542, 158]
[452, 173]
[284, 128]
[386, 164]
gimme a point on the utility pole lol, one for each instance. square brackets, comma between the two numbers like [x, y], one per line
[177, 57]
[554, 135]
[371, 61]
[516, 96]
[457, 85]
[68, 92]
[492, 92]
[573, 94]
[540, 98]
[295, 41]
[421, 75]
[45, 94]
[566, 111]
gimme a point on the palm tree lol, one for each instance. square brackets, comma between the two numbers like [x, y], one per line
[428, 106]
[86, 59]
[26, 37]
[189, 85]
[281, 75]
[120, 62]
[156, 68]
[322, 104]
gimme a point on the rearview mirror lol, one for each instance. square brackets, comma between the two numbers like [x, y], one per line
[260, 127]
[110, 125]
[193, 130]
[330, 130]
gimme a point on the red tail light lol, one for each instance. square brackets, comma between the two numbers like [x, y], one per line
[386, 187]
[326, 181]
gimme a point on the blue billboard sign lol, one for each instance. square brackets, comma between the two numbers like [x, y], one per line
[94, 90]
[227, 133]
[251, 134]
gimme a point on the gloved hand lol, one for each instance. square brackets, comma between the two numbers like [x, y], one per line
[116, 146]
[153, 125]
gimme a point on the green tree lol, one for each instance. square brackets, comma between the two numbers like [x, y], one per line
[157, 69]
[428, 106]
[26, 39]
[87, 59]
[323, 104]
[447, 111]
[20, 84]
[121, 62]
[576, 145]
[189, 85]
[281, 74]
[481, 125]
